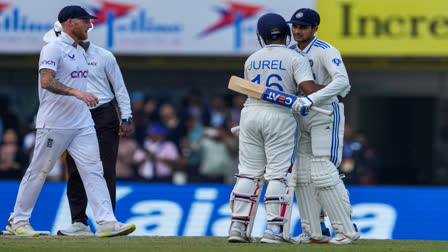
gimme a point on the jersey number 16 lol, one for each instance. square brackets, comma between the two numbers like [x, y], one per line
[268, 84]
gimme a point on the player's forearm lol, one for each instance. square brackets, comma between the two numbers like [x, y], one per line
[49, 82]
[334, 88]
[57, 87]
[121, 94]
[124, 102]
[309, 87]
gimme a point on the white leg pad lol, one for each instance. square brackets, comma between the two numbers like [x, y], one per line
[278, 201]
[244, 201]
[309, 207]
[329, 188]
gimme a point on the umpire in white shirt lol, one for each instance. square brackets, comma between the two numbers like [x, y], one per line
[106, 82]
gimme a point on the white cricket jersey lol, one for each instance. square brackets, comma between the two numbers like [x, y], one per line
[328, 70]
[104, 72]
[276, 67]
[70, 64]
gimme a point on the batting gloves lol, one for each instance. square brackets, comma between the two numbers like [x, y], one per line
[302, 105]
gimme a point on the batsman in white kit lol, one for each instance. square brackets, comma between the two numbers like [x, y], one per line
[268, 136]
[319, 151]
[65, 123]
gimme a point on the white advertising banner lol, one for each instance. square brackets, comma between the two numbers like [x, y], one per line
[148, 27]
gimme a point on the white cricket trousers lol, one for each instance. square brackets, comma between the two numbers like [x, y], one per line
[82, 144]
[268, 139]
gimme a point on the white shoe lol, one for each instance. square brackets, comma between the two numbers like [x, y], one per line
[9, 228]
[23, 228]
[340, 238]
[76, 229]
[9, 225]
[114, 228]
[270, 237]
[306, 239]
[236, 235]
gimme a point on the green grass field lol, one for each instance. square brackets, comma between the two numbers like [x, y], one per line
[199, 244]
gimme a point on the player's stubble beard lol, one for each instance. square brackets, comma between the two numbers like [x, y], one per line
[305, 39]
[80, 34]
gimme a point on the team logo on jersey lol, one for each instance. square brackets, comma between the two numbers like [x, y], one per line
[72, 57]
[311, 63]
[299, 15]
[50, 142]
[336, 61]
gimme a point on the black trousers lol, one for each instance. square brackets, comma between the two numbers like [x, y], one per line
[107, 125]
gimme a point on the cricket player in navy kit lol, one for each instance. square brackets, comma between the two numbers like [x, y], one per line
[268, 135]
[319, 151]
[65, 123]
[106, 82]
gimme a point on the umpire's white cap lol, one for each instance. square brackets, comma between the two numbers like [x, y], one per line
[55, 32]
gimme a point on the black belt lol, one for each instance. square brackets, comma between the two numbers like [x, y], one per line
[102, 107]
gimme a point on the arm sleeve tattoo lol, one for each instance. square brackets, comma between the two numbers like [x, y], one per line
[47, 77]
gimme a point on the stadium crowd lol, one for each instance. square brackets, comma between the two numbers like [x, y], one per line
[185, 142]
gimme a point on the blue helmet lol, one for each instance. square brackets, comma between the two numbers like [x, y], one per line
[305, 16]
[272, 26]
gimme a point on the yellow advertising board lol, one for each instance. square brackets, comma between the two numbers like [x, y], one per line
[385, 27]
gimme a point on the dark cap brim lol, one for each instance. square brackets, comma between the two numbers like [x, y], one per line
[299, 22]
[88, 17]
[81, 17]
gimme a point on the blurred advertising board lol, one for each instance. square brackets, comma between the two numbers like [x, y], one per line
[147, 27]
[385, 27]
[380, 212]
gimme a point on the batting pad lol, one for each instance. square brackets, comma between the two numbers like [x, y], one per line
[245, 198]
[332, 195]
[302, 168]
[324, 173]
[278, 202]
[309, 209]
[244, 201]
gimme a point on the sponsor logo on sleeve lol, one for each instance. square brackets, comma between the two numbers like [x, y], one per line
[48, 63]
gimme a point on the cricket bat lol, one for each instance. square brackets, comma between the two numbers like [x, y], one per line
[251, 89]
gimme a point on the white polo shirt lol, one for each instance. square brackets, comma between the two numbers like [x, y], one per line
[276, 67]
[70, 64]
[104, 72]
[328, 70]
